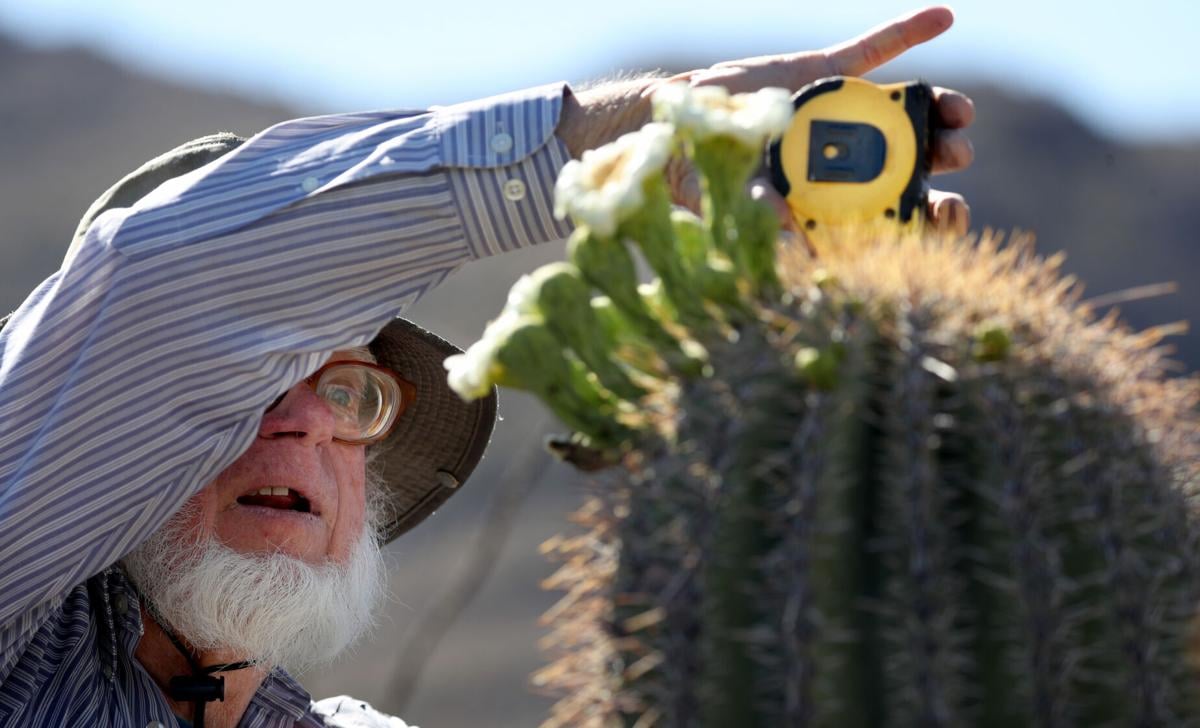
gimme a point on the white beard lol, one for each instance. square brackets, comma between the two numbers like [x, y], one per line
[273, 609]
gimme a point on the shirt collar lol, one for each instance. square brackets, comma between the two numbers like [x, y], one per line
[282, 693]
[279, 693]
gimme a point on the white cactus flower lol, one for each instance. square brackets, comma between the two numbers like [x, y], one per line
[605, 185]
[473, 373]
[523, 297]
[467, 373]
[707, 111]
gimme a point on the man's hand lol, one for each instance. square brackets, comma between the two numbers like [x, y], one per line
[600, 115]
[952, 149]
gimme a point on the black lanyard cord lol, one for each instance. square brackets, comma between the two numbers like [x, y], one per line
[201, 687]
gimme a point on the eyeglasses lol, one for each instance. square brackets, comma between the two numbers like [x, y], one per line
[366, 399]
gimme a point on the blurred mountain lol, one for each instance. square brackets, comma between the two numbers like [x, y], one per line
[71, 123]
[1126, 215]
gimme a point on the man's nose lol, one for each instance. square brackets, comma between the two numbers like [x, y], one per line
[300, 414]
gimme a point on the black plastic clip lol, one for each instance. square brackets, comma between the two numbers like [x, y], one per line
[192, 688]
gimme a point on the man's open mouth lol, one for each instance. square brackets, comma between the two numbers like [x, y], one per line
[276, 497]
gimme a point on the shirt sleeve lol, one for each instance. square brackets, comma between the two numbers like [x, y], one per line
[140, 369]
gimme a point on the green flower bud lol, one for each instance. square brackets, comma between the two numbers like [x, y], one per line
[607, 265]
[758, 229]
[557, 291]
[531, 358]
[631, 349]
[652, 230]
[820, 367]
[992, 343]
[717, 278]
[692, 239]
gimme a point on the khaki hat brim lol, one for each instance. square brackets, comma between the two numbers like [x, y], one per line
[439, 439]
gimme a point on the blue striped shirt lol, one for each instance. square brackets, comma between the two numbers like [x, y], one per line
[138, 371]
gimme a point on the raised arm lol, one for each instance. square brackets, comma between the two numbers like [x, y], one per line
[141, 368]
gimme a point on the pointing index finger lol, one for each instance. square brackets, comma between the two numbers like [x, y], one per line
[883, 43]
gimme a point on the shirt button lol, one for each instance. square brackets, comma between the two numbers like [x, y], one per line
[514, 190]
[107, 672]
[121, 604]
[501, 143]
[309, 184]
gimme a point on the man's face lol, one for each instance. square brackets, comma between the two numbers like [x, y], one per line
[322, 514]
[288, 577]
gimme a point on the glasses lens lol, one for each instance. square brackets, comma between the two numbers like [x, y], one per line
[364, 400]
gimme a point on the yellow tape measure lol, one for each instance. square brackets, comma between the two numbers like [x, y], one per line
[856, 154]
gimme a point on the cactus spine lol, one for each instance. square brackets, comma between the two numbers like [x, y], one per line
[916, 483]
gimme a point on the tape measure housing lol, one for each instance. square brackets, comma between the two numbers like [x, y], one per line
[855, 154]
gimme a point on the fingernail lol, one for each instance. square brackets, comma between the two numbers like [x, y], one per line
[939, 213]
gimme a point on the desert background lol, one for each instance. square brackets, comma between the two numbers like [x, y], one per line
[459, 637]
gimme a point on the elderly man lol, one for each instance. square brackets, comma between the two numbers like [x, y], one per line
[212, 418]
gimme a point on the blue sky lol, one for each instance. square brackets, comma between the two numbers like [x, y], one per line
[1131, 69]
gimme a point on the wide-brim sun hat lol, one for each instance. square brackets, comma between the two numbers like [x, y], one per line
[439, 439]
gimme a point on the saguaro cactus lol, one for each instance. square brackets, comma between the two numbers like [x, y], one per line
[902, 482]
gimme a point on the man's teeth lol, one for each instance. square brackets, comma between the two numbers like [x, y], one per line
[274, 490]
[276, 496]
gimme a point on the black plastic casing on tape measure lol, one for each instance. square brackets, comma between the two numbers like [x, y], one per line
[856, 154]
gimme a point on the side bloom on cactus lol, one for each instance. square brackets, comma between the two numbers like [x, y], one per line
[724, 134]
[604, 186]
[473, 373]
[521, 351]
[559, 290]
[711, 111]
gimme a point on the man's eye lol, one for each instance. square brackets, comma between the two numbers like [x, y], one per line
[341, 397]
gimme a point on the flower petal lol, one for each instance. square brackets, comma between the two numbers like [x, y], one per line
[707, 111]
[603, 187]
[473, 373]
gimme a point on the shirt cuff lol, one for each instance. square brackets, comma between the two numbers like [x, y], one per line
[502, 160]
